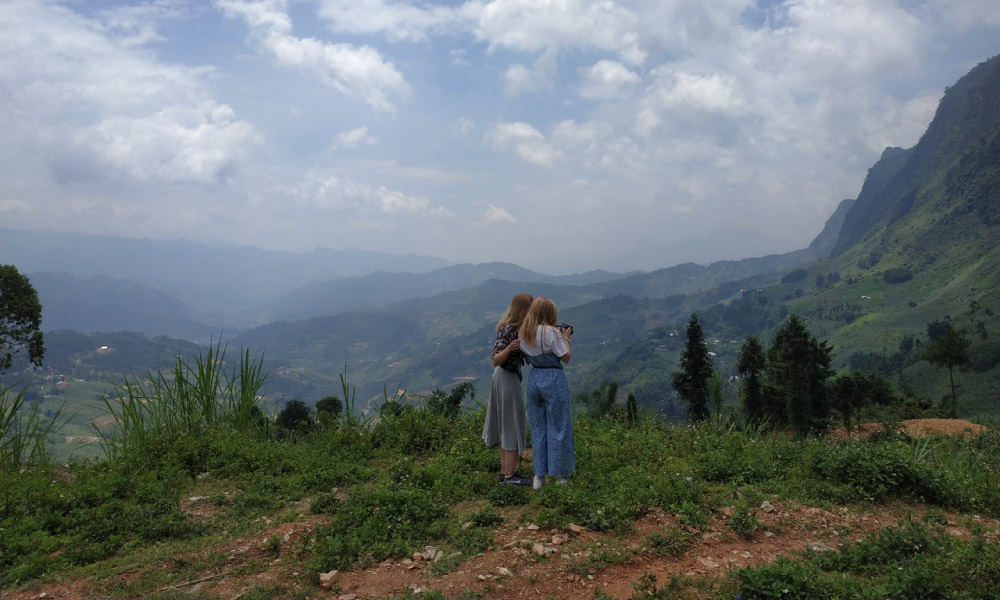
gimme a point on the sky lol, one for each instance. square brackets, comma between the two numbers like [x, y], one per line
[561, 135]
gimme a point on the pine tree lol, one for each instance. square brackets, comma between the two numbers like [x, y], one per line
[751, 363]
[691, 382]
[795, 380]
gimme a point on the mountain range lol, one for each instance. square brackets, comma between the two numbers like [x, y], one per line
[919, 244]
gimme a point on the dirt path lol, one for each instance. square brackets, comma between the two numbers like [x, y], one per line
[525, 561]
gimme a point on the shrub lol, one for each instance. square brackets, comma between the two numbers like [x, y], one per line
[376, 524]
[794, 276]
[672, 541]
[898, 275]
[295, 416]
[878, 471]
[743, 522]
[508, 495]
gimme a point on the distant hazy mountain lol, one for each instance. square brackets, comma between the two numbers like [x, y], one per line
[380, 289]
[216, 281]
[103, 303]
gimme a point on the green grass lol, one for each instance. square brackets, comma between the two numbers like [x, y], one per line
[388, 488]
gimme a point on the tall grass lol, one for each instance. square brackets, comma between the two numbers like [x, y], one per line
[22, 436]
[189, 400]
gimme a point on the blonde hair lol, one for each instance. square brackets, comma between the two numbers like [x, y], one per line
[518, 308]
[542, 312]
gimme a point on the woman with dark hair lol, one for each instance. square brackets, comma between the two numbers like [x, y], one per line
[505, 409]
[546, 348]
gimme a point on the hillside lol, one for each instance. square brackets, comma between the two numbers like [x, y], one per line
[104, 303]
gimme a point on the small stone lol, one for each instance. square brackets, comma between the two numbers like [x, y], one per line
[557, 540]
[482, 578]
[417, 557]
[347, 597]
[532, 527]
[438, 555]
[430, 552]
[708, 563]
[590, 577]
[767, 507]
[818, 547]
[538, 548]
[191, 499]
[288, 536]
[326, 579]
[768, 534]
[466, 525]
[504, 571]
[728, 511]
[576, 528]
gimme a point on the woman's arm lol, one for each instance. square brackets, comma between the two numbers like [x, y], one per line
[565, 336]
[500, 357]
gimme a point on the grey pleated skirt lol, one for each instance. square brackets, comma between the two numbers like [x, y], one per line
[505, 412]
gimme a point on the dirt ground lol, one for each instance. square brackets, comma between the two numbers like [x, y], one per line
[526, 561]
[917, 427]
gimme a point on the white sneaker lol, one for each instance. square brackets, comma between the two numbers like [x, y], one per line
[562, 481]
[537, 482]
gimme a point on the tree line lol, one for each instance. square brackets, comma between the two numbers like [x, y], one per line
[790, 383]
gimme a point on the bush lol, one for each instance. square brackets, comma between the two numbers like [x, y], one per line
[899, 275]
[508, 495]
[376, 524]
[879, 471]
[295, 416]
[794, 276]
[743, 522]
[672, 541]
[911, 560]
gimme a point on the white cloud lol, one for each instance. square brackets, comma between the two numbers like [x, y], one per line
[606, 79]
[524, 141]
[355, 138]
[138, 24]
[398, 21]
[463, 126]
[690, 103]
[175, 145]
[495, 215]
[533, 26]
[95, 106]
[353, 70]
[519, 79]
[458, 57]
[363, 201]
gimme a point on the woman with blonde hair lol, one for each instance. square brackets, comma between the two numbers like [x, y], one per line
[546, 348]
[505, 409]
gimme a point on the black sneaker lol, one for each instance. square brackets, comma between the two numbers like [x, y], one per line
[515, 480]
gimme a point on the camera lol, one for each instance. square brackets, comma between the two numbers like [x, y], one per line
[564, 327]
